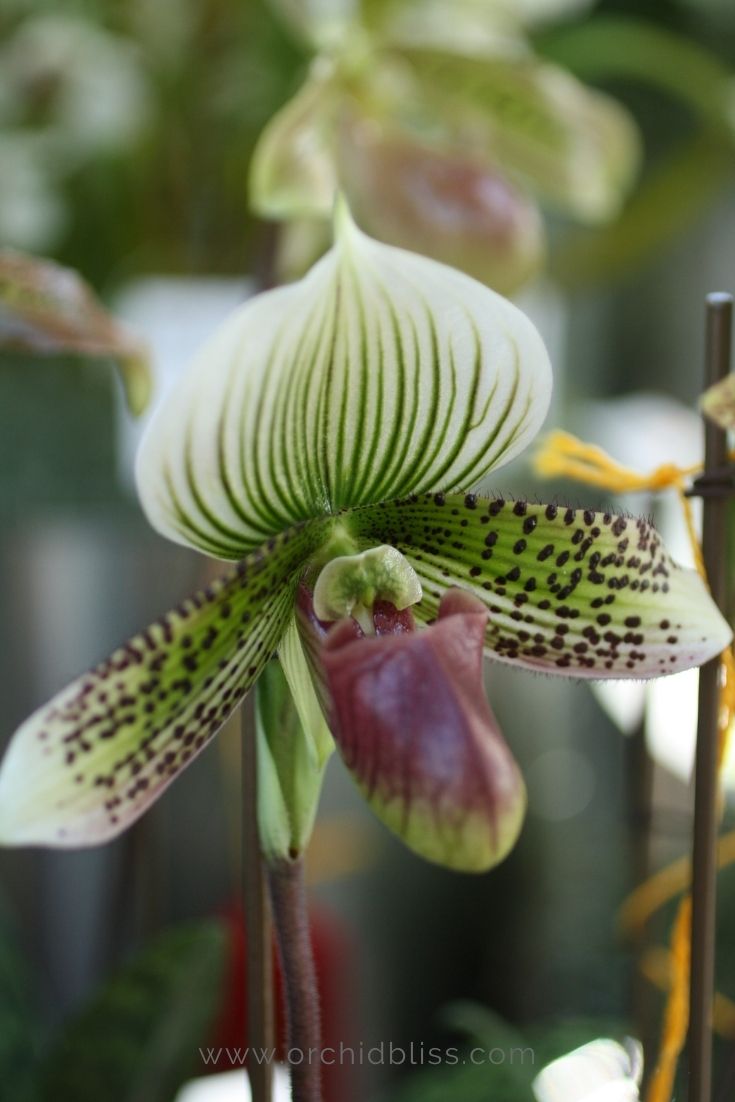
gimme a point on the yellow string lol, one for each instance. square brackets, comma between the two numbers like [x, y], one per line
[657, 966]
[654, 893]
[563, 455]
[676, 1014]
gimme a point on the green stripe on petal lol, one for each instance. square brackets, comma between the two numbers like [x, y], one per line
[89, 762]
[569, 591]
[381, 373]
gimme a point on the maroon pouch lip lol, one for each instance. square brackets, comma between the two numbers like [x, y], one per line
[410, 717]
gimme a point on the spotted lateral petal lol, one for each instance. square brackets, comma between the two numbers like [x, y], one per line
[569, 591]
[379, 374]
[87, 764]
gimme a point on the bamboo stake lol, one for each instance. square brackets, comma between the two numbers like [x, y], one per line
[258, 928]
[258, 922]
[704, 852]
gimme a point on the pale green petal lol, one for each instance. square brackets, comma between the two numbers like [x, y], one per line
[471, 27]
[320, 23]
[293, 173]
[87, 764]
[379, 374]
[570, 592]
[575, 147]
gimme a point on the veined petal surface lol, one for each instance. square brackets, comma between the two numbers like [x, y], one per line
[381, 373]
[569, 591]
[89, 762]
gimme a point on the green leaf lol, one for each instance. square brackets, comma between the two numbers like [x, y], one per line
[379, 374]
[87, 764]
[293, 171]
[46, 309]
[677, 191]
[620, 48]
[576, 148]
[481, 1025]
[138, 1039]
[570, 592]
[535, 12]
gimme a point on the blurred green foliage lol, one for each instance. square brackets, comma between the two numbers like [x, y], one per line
[167, 194]
[136, 1041]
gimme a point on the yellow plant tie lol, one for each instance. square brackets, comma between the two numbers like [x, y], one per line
[665, 885]
[562, 455]
[676, 1014]
[657, 966]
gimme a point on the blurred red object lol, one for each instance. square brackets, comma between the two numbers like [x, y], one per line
[334, 957]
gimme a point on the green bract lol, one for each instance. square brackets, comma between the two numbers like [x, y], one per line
[351, 410]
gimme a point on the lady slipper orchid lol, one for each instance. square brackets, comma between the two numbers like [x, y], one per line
[333, 421]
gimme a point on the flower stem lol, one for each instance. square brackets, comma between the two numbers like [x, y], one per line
[290, 914]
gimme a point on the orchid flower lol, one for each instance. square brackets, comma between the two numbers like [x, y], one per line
[327, 440]
[445, 130]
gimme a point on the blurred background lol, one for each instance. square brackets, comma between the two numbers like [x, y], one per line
[583, 163]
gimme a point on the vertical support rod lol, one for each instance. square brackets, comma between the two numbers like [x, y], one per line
[704, 852]
[258, 928]
[259, 1007]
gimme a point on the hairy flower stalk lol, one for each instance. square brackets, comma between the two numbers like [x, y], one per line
[326, 441]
